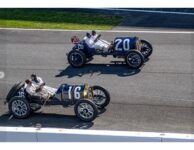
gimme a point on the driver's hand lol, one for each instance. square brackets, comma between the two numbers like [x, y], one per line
[38, 90]
[43, 84]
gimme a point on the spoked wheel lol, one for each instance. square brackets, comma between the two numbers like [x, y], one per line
[19, 107]
[86, 110]
[76, 58]
[146, 48]
[101, 96]
[134, 59]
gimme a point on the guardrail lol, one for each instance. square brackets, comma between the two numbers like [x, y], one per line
[22, 134]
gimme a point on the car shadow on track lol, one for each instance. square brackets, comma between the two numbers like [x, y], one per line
[46, 120]
[120, 70]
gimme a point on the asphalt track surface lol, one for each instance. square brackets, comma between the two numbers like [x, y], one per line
[156, 98]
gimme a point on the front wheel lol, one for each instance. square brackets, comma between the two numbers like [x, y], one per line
[86, 110]
[146, 48]
[101, 96]
[76, 58]
[19, 107]
[134, 59]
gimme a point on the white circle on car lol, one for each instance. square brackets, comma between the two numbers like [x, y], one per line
[2, 75]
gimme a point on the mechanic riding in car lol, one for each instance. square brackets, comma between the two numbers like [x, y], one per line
[39, 83]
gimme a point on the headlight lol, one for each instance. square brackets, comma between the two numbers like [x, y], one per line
[85, 93]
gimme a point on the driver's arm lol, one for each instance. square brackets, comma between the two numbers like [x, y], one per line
[31, 91]
[41, 82]
[96, 39]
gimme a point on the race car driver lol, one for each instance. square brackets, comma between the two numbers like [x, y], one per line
[40, 84]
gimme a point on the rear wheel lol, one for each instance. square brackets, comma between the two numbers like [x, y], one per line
[101, 96]
[146, 48]
[86, 110]
[134, 59]
[76, 58]
[19, 107]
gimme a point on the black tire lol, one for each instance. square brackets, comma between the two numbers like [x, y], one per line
[15, 88]
[90, 105]
[146, 48]
[19, 103]
[76, 58]
[132, 56]
[101, 103]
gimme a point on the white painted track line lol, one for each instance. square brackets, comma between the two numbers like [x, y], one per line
[107, 31]
[149, 11]
[97, 132]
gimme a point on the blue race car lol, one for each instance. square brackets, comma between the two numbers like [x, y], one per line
[87, 100]
[132, 49]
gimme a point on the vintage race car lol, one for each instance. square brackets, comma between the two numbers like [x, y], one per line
[87, 100]
[132, 49]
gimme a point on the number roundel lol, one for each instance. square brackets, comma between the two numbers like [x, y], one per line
[122, 44]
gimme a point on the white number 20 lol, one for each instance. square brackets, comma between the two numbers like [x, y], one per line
[76, 92]
[125, 46]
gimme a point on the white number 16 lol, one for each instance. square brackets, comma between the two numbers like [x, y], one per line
[76, 92]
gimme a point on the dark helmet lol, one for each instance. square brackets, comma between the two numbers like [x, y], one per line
[88, 35]
[28, 81]
[93, 32]
[33, 75]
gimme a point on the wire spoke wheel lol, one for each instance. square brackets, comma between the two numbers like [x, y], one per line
[99, 97]
[146, 48]
[19, 107]
[134, 59]
[85, 110]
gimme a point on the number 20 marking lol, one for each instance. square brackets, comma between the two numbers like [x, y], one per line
[76, 92]
[125, 46]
